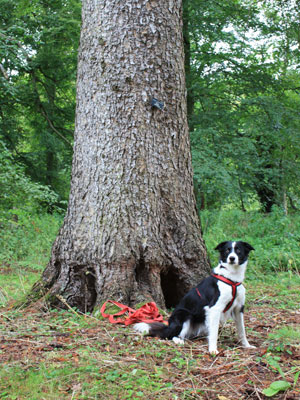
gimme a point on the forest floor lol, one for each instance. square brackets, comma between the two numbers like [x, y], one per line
[61, 354]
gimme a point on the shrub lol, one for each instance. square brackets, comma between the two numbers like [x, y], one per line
[17, 190]
[275, 237]
[26, 240]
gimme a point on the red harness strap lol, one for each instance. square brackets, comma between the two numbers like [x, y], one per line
[233, 285]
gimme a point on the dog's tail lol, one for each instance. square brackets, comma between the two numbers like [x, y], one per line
[157, 329]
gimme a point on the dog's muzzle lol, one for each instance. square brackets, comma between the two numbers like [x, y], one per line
[232, 260]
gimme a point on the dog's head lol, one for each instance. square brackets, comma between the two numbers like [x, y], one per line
[234, 253]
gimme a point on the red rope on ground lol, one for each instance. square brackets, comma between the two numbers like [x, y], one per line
[147, 313]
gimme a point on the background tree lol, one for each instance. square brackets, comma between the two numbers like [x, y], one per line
[37, 87]
[244, 56]
[131, 231]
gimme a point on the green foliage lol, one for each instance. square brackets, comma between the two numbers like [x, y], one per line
[38, 55]
[18, 190]
[274, 236]
[283, 338]
[27, 238]
[243, 96]
[25, 246]
[244, 86]
[276, 387]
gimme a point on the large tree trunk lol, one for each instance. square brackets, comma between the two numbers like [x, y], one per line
[131, 231]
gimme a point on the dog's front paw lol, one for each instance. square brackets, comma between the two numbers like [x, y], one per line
[177, 340]
[249, 346]
[213, 352]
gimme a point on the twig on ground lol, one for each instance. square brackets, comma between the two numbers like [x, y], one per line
[256, 392]
[4, 316]
[67, 305]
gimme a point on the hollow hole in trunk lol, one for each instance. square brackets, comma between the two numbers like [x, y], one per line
[171, 287]
[81, 289]
[142, 273]
[90, 287]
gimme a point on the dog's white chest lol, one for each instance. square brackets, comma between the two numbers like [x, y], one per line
[229, 295]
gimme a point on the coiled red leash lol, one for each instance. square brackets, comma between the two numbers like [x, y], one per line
[147, 313]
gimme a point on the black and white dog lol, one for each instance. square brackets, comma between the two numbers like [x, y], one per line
[216, 298]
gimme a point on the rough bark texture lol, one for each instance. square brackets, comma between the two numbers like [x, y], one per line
[131, 232]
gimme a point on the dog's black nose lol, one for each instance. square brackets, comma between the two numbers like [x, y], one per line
[232, 259]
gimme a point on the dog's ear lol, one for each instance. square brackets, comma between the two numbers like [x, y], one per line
[220, 246]
[248, 246]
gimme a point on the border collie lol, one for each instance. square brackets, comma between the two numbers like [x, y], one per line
[216, 298]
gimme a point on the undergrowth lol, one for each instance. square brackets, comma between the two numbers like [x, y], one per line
[275, 237]
[60, 354]
[26, 240]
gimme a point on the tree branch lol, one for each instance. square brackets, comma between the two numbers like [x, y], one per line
[4, 72]
[45, 114]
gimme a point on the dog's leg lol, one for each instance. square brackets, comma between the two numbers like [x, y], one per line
[185, 331]
[240, 326]
[213, 321]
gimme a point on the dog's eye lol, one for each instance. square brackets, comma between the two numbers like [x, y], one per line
[227, 251]
[238, 251]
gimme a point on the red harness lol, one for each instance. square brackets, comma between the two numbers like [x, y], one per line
[233, 285]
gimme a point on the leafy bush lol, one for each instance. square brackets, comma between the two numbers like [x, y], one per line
[26, 239]
[19, 191]
[275, 237]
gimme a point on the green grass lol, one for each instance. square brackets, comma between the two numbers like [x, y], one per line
[26, 239]
[86, 363]
[82, 381]
[26, 242]
[86, 380]
[286, 336]
[59, 354]
[15, 284]
[287, 288]
[35, 382]
[275, 237]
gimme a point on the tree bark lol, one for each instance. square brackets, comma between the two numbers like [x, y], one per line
[187, 64]
[131, 232]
